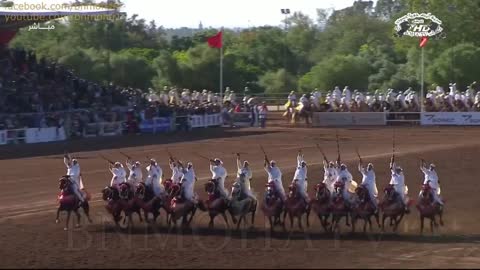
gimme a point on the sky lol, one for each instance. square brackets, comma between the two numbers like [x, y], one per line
[217, 13]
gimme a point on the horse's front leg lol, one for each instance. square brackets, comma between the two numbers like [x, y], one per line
[225, 218]
[211, 224]
[58, 215]
[377, 218]
[397, 222]
[300, 223]
[194, 210]
[421, 224]
[346, 219]
[78, 219]
[139, 215]
[384, 217]
[308, 216]
[440, 216]
[68, 220]
[130, 220]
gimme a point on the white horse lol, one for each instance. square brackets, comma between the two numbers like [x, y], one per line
[241, 204]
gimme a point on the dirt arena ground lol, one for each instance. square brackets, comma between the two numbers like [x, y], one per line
[31, 239]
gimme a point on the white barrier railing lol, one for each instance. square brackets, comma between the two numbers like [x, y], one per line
[450, 118]
[206, 120]
[32, 135]
[15, 136]
[38, 135]
[363, 118]
[3, 137]
[102, 129]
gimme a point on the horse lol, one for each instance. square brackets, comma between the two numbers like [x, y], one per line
[145, 199]
[339, 205]
[116, 203]
[392, 207]
[302, 111]
[241, 204]
[215, 204]
[321, 204]
[69, 202]
[295, 206]
[363, 208]
[427, 208]
[134, 204]
[177, 206]
[272, 206]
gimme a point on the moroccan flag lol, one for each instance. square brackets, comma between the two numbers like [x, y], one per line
[215, 41]
[423, 41]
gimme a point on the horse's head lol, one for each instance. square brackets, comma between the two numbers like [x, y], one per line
[321, 191]
[174, 190]
[389, 192]
[64, 182]
[210, 186]
[293, 189]
[270, 192]
[107, 193]
[140, 190]
[361, 192]
[168, 184]
[338, 186]
[236, 190]
[124, 191]
[426, 191]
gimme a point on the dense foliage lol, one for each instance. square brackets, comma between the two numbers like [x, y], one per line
[354, 46]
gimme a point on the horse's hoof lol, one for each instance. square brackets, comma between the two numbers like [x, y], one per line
[77, 225]
[90, 220]
[56, 221]
[65, 229]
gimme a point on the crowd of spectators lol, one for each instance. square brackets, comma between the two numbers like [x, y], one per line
[38, 93]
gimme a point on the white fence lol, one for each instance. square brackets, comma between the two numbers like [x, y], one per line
[451, 119]
[32, 135]
[103, 129]
[321, 119]
[207, 120]
[325, 119]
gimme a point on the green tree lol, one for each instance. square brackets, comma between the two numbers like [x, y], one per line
[337, 71]
[275, 82]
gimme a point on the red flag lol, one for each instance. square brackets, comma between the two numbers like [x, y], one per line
[215, 41]
[423, 41]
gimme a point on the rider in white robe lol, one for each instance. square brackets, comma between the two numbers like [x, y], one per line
[431, 178]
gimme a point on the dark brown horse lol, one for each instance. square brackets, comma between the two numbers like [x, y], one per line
[321, 205]
[364, 208]
[215, 204]
[340, 206]
[69, 202]
[118, 202]
[392, 207]
[295, 206]
[428, 209]
[272, 206]
[145, 199]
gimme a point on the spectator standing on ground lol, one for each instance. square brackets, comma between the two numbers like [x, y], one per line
[262, 114]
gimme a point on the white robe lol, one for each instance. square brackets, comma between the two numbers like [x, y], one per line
[154, 179]
[275, 176]
[248, 176]
[219, 172]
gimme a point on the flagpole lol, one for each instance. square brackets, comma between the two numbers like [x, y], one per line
[422, 80]
[221, 69]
